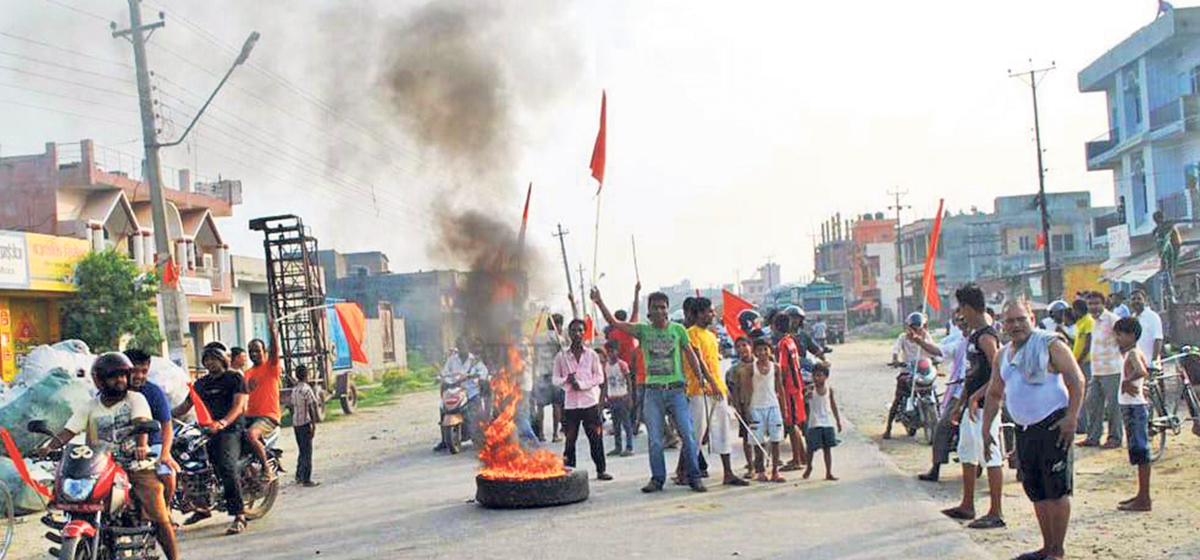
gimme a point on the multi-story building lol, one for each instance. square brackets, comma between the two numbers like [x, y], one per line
[833, 260]
[754, 290]
[1151, 82]
[88, 192]
[875, 292]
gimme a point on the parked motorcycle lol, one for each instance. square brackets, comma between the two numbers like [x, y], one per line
[198, 486]
[916, 402]
[101, 517]
[461, 416]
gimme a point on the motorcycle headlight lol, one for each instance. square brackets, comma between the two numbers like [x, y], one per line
[78, 489]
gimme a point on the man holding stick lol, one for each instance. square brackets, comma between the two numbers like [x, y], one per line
[665, 346]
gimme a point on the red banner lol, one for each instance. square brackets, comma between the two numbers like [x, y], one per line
[203, 417]
[19, 463]
[599, 151]
[354, 326]
[732, 306]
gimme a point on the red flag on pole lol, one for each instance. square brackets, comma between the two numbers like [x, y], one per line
[732, 307]
[19, 463]
[525, 217]
[1041, 241]
[930, 281]
[598, 151]
[589, 329]
[203, 417]
[170, 274]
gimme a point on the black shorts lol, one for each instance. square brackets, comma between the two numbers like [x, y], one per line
[1047, 470]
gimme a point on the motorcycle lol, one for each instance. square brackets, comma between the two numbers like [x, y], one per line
[198, 486]
[101, 519]
[916, 404]
[461, 416]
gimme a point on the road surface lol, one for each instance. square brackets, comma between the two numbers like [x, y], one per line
[403, 501]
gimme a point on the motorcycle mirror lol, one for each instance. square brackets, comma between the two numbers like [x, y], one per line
[146, 426]
[39, 427]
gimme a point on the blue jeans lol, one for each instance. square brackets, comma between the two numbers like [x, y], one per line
[622, 419]
[523, 424]
[658, 404]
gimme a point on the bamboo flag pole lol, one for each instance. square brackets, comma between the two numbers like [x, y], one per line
[637, 275]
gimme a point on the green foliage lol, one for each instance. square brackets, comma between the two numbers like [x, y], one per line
[113, 299]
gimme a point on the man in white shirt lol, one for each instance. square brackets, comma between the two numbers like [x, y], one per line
[464, 365]
[1101, 395]
[1151, 340]
[954, 350]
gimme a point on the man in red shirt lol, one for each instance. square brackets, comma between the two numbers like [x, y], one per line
[793, 389]
[262, 409]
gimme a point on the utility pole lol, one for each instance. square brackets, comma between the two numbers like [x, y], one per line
[173, 300]
[562, 233]
[1032, 76]
[899, 254]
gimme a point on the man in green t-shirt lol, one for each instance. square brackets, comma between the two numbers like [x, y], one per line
[664, 346]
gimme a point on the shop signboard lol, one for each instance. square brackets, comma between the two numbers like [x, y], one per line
[14, 266]
[52, 261]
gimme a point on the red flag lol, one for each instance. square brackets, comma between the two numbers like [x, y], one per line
[930, 281]
[732, 307]
[354, 326]
[598, 151]
[203, 417]
[589, 329]
[524, 217]
[170, 273]
[1041, 241]
[19, 463]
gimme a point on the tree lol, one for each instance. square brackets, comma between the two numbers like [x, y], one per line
[112, 300]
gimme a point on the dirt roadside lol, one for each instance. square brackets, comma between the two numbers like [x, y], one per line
[1102, 478]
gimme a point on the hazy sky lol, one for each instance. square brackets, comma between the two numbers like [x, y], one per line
[734, 128]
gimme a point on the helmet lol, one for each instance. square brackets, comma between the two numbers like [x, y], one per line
[1058, 306]
[915, 319]
[110, 364]
[749, 320]
[794, 311]
[217, 351]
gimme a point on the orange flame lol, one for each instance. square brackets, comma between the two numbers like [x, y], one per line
[501, 455]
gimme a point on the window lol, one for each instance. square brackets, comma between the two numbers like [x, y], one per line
[1062, 242]
[1195, 80]
[1026, 243]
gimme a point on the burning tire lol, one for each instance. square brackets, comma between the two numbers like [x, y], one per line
[532, 493]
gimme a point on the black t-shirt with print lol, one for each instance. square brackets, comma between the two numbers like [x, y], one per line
[979, 369]
[217, 391]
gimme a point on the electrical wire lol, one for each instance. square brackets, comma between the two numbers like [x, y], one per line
[71, 82]
[79, 99]
[65, 67]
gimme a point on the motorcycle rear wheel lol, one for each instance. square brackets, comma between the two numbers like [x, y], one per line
[929, 415]
[260, 507]
[75, 548]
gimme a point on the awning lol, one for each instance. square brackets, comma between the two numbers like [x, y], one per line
[1136, 269]
[209, 318]
[865, 305]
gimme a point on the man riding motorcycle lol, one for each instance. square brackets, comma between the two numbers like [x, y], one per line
[110, 418]
[464, 365]
[907, 352]
[223, 391]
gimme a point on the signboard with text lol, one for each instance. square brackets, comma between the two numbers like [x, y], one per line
[1118, 242]
[14, 267]
[32, 261]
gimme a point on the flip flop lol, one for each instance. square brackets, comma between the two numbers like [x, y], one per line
[987, 522]
[1035, 555]
[778, 479]
[791, 467]
[955, 513]
[1134, 507]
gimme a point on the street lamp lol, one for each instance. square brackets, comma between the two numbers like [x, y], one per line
[247, 47]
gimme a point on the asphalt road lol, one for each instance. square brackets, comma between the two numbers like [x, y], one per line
[410, 503]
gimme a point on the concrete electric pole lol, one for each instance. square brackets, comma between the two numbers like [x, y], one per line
[173, 300]
[1033, 75]
[899, 253]
[561, 235]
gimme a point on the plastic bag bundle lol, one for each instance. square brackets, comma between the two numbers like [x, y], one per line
[51, 399]
[25, 499]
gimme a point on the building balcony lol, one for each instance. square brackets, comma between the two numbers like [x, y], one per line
[1176, 206]
[1102, 152]
[1175, 117]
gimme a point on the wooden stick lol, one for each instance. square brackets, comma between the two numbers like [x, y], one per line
[637, 275]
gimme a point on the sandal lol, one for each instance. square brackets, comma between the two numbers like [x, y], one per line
[956, 513]
[791, 467]
[1035, 555]
[778, 478]
[237, 527]
[987, 522]
[197, 517]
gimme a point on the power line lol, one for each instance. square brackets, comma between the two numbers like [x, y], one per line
[57, 79]
[63, 49]
[79, 11]
[67, 113]
[65, 67]
[79, 99]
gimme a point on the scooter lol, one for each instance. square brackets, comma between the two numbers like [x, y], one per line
[916, 401]
[101, 519]
[461, 416]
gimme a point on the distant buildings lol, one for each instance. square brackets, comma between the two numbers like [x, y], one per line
[756, 289]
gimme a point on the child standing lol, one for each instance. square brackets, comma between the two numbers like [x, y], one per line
[739, 380]
[1134, 410]
[766, 410]
[620, 401]
[304, 415]
[822, 417]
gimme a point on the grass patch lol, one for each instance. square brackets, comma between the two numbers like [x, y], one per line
[418, 376]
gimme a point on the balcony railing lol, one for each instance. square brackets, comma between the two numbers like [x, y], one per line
[1176, 206]
[1103, 143]
[1174, 111]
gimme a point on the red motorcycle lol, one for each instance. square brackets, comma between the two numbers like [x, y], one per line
[101, 519]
